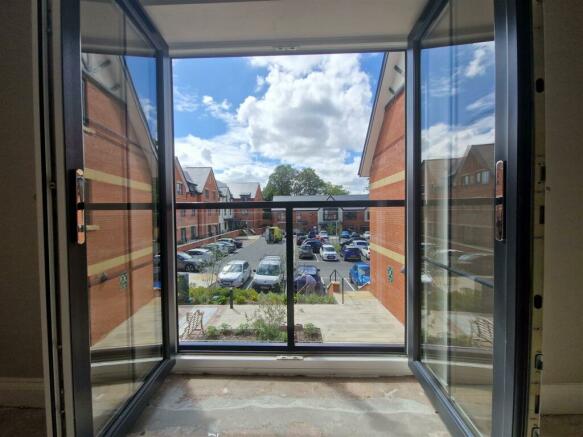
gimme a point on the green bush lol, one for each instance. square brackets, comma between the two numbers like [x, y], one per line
[243, 329]
[225, 329]
[182, 292]
[212, 332]
[310, 330]
[314, 299]
[268, 331]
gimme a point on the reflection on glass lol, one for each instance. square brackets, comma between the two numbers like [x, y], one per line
[231, 272]
[121, 166]
[457, 171]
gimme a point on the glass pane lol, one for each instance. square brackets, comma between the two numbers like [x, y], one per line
[457, 172]
[121, 167]
[231, 274]
[349, 280]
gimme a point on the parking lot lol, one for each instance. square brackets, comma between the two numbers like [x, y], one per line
[255, 248]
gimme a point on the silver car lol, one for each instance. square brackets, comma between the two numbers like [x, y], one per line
[269, 275]
[235, 274]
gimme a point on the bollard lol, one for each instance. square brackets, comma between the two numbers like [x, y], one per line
[231, 297]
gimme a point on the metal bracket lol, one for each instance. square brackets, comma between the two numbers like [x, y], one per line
[500, 219]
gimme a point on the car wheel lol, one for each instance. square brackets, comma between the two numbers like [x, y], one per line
[189, 268]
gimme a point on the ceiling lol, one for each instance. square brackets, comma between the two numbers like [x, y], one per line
[238, 27]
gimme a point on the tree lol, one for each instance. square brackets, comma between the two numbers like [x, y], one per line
[333, 190]
[308, 183]
[280, 182]
[286, 181]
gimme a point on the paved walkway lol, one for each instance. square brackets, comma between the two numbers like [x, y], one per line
[361, 319]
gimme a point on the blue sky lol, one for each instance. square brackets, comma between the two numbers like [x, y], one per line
[244, 116]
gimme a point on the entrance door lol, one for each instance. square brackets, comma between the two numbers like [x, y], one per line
[460, 312]
[114, 149]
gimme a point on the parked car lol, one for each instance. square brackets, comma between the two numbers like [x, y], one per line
[350, 252]
[230, 246]
[328, 253]
[186, 263]
[235, 274]
[323, 235]
[354, 235]
[359, 274]
[305, 251]
[345, 234]
[300, 239]
[269, 275]
[366, 235]
[217, 250]
[365, 251]
[204, 255]
[312, 234]
[238, 244]
[300, 278]
[360, 243]
[315, 244]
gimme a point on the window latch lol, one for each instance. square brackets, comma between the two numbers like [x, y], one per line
[499, 215]
[80, 206]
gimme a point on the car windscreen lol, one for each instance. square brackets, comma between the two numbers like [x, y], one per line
[231, 268]
[328, 249]
[364, 271]
[268, 269]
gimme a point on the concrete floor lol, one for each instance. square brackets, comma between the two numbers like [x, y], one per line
[279, 406]
[567, 425]
[29, 422]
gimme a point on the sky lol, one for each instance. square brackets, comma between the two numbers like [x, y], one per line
[244, 116]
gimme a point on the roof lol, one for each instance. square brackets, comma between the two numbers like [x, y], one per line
[391, 84]
[239, 189]
[224, 189]
[320, 197]
[197, 175]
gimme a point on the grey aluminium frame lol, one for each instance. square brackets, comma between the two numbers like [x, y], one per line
[78, 309]
[512, 255]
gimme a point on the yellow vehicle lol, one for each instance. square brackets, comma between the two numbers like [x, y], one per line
[273, 234]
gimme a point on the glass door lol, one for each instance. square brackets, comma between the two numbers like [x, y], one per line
[456, 170]
[467, 215]
[114, 147]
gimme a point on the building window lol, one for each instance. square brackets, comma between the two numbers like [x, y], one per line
[179, 188]
[182, 213]
[194, 212]
[350, 215]
[485, 177]
[193, 233]
[244, 212]
[330, 214]
[206, 194]
[466, 180]
[366, 215]
[183, 235]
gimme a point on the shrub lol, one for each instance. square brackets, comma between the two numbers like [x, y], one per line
[310, 330]
[212, 332]
[243, 329]
[268, 331]
[314, 299]
[182, 292]
[225, 329]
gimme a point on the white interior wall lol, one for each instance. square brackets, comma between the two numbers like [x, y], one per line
[562, 390]
[21, 362]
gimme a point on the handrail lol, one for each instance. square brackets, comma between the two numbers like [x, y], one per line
[293, 204]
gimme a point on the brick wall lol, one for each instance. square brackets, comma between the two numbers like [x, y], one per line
[387, 225]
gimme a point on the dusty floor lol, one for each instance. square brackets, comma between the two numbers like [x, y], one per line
[566, 425]
[255, 406]
[29, 422]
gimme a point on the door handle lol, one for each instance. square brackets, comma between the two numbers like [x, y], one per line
[500, 202]
[80, 206]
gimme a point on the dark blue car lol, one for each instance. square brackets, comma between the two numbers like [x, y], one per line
[349, 253]
[345, 234]
[359, 274]
[316, 244]
[300, 279]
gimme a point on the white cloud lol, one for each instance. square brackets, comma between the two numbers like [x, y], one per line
[483, 103]
[444, 141]
[185, 102]
[314, 112]
[483, 57]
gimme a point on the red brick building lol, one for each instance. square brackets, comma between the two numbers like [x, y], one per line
[383, 162]
[207, 190]
[251, 218]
